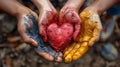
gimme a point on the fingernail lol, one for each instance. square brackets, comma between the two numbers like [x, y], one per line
[34, 44]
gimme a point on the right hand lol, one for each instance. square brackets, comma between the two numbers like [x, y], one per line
[70, 15]
[22, 28]
[90, 32]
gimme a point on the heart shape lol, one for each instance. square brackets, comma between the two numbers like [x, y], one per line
[60, 36]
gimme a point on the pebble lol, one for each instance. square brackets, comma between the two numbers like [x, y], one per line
[22, 46]
[107, 32]
[109, 52]
[2, 39]
[7, 24]
[14, 39]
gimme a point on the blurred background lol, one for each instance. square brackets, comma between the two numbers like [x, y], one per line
[15, 53]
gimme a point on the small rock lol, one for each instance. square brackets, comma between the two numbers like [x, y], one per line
[7, 24]
[98, 62]
[109, 52]
[83, 62]
[111, 64]
[9, 61]
[2, 39]
[107, 29]
[14, 39]
[21, 46]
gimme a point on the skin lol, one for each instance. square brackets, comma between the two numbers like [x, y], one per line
[91, 28]
[47, 15]
[18, 10]
[69, 13]
[84, 41]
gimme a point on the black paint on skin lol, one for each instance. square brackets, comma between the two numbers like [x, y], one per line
[32, 30]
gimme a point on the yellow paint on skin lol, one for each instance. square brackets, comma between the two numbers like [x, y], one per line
[84, 44]
[68, 58]
[69, 49]
[89, 34]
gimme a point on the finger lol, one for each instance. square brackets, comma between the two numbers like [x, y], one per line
[36, 16]
[42, 32]
[96, 31]
[76, 32]
[81, 51]
[62, 14]
[68, 49]
[74, 18]
[49, 57]
[69, 16]
[42, 28]
[45, 55]
[45, 18]
[77, 22]
[29, 40]
[49, 16]
[59, 59]
[69, 57]
[95, 37]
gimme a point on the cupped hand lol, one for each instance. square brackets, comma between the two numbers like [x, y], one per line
[28, 29]
[90, 32]
[25, 23]
[70, 15]
[47, 16]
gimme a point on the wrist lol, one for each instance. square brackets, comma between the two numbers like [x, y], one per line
[74, 4]
[99, 6]
[94, 9]
[41, 4]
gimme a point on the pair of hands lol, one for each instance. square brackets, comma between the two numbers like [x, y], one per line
[90, 29]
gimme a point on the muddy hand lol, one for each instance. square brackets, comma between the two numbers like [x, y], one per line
[90, 32]
[28, 27]
[43, 49]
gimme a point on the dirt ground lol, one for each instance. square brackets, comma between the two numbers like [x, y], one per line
[15, 53]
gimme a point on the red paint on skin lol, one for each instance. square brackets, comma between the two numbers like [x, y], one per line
[43, 30]
[47, 20]
[59, 36]
[72, 17]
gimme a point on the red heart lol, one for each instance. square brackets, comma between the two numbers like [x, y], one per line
[59, 36]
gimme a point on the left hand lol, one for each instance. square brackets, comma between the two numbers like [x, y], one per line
[70, 15]
[90, 32]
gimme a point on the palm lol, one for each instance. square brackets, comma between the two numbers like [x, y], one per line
[28, 28]
[46, 17]
[91, 27]
[69, 15]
